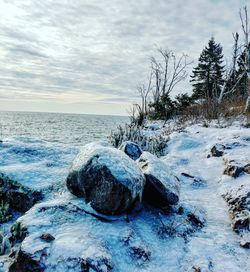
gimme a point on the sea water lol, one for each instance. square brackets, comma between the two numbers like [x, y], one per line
[75, 129]
[37, 149]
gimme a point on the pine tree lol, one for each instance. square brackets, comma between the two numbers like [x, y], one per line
[242, 84]
[207, 77]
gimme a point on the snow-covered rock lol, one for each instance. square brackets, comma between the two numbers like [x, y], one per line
[19, 198]
[82, 242]
[233, 170]
[131, 149]
[106, 178]
[72, 245]
[161, 188]
[238, 201]
[246, 168]
[217, 150]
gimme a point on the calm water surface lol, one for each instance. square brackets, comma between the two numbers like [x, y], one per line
[63, 128]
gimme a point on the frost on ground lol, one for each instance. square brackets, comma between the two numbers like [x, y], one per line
[195, 235]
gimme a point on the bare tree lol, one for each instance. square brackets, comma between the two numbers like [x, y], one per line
[246, 33]
[168, 72]
[144, 92]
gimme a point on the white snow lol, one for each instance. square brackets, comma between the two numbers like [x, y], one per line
[215, 247]
[35, 163]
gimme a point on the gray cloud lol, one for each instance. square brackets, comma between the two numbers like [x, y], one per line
[101, 48]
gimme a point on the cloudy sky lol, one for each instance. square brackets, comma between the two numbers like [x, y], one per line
[88, 56]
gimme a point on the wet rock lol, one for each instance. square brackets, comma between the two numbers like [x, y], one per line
[18, 197]
[238, 201]
[161, 188]
[137, 248]
[106, 178]
[47, 237]
[131, 149]
[233, 170]
[217, 150]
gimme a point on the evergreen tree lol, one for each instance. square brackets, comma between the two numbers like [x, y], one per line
[242, 84]
[207, 77]
[182, 101]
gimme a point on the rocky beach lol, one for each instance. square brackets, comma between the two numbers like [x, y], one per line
[126, 209]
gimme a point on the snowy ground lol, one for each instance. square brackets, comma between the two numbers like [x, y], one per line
[215, 247]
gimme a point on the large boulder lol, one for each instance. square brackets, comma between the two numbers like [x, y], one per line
[106, 178]
[131, 149]
[161, 189]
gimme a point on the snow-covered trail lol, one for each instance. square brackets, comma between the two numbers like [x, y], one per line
[216, 247]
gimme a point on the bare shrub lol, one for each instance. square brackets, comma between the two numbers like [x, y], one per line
[155, 144]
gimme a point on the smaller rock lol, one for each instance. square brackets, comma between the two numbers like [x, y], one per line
[17, 196]
[47, 237]
[25, 263]
[245, 244]
[196, 181]
[246, 168]
[233, 145]
[161, 189]
[196, 269]
[131, 149]
[96, 264]
[217, 150]
[194, 219]
[238, 201]
[233, 170]
[137, 248]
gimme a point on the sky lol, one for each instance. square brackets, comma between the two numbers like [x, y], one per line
[89, 56]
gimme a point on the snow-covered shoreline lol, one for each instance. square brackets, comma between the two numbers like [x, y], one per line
[215, 247]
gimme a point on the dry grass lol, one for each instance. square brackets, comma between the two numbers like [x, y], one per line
[211, 110]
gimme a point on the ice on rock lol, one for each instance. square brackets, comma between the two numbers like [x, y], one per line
[161, 187]
[106, 178]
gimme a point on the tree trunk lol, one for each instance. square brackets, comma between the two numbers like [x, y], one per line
[247, 107]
